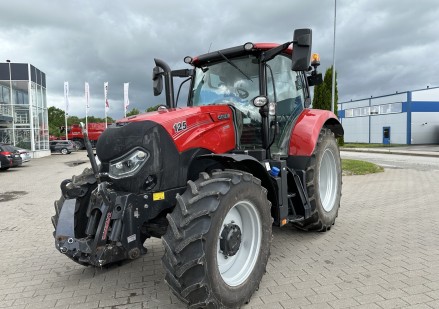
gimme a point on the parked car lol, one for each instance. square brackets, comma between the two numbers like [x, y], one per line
[9, 151]
[24, 153]
[5, 162]
[62, 146]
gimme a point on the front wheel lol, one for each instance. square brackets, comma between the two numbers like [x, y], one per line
[218, 241]
[323, 183]
[64, 151]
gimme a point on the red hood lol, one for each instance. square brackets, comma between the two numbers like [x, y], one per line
[210, 127]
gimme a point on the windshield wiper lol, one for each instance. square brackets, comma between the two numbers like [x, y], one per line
[234, 65]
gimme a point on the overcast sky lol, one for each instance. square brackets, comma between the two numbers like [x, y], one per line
[382, 46]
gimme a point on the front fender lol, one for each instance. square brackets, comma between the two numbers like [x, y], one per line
[245, 163]
[307, 129]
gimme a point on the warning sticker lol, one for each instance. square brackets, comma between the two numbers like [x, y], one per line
[131, 238]
[158, 196]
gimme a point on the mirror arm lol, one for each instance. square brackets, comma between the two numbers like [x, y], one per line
[169, 84]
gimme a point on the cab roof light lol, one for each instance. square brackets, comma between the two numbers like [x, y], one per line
[188, 59]
[249, 46]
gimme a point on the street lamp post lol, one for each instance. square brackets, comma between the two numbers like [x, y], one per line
[11, 103]
[333, 61]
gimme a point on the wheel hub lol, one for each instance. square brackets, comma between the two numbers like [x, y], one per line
[230, 239]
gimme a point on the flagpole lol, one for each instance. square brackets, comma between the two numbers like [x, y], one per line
[87, 97]
[65, 128]
[126, 100]
[86, 120]
[106, 102]
[333, 61]
[66, 102]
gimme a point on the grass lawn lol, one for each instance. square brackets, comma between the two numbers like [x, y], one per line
[357, 167]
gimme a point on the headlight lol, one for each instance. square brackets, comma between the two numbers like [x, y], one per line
[128, 165]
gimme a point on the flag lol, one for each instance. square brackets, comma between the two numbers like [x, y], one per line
[126, 100]
[87, 95]
[66, 97]
[107, 106]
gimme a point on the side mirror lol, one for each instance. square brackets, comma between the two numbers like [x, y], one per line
[315, 79]
[157, 81]
[302, 42]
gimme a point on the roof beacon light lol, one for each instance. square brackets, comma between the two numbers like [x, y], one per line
[249, 46]
[315, 60]
[188, 59]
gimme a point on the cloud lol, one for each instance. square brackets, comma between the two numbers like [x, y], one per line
[381, 46]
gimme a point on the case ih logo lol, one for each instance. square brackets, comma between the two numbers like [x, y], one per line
[223, 116]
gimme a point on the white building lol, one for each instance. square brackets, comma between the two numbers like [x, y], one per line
[23, 108]
[410, 117]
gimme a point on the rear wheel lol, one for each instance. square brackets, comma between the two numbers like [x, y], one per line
[80, 144]
[64, 151]
[323, 176]
[218, 241]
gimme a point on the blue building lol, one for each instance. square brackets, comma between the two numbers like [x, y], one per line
[410, 117]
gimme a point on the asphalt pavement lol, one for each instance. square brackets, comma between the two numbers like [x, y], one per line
[382, 252]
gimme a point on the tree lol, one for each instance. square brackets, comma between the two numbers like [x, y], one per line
[56, 119]
[133, 112]
[153, 108]
[74, 120]
[323, 95]
[317, 100]
[323, 92]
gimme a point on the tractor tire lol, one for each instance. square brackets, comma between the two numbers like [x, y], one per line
[218, 241]
[80, 144]
[323, 184]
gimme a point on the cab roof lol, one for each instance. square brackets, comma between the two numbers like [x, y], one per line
[233, 52]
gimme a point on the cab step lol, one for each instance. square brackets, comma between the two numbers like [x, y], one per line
[295, 218]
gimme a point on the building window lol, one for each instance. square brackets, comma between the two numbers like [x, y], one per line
[391, 108]
[365, 111]
[383, 109]
[375, 110]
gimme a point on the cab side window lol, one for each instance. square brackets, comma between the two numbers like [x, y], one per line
[286, 88]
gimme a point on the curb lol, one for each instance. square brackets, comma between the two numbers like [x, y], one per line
[396, 152]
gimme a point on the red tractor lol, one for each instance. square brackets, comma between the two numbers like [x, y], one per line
[211, 178]
[74, 133]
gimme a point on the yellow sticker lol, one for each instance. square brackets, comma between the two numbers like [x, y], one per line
[158, 196]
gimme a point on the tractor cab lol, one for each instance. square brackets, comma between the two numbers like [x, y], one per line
[266, 85]
[240, 81]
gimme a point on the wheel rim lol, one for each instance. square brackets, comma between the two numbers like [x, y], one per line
[328, 180]
[64, 151]
[236, 269]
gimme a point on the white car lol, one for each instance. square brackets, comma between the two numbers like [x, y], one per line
[24, 153]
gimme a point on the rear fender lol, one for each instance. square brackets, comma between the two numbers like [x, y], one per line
[307, 129]
[240, 162]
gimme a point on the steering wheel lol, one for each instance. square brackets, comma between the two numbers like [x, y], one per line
[242, 93]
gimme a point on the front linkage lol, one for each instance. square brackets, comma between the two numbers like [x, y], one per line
[94, 225]
[88, 222]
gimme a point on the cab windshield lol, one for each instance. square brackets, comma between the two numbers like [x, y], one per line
[222, 83]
